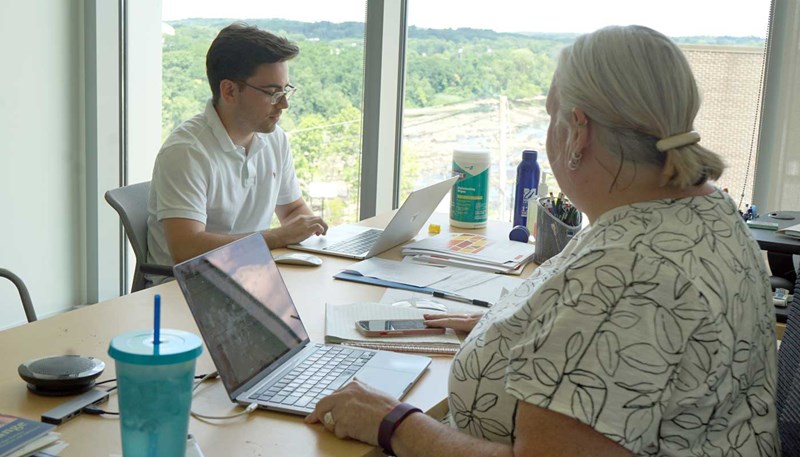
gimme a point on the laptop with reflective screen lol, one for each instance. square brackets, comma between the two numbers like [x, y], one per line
[258, 342]
[361, 242]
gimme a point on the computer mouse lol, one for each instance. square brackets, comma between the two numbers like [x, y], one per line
[432, 305]
[299, 258]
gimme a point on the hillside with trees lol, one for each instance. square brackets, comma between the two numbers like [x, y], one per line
[447, 67]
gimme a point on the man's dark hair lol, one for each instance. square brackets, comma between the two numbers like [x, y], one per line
[239, 49]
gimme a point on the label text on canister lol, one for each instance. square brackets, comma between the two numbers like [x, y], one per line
[469, 195]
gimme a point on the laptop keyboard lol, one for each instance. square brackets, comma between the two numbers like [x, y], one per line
[358, 244]
[319, 375]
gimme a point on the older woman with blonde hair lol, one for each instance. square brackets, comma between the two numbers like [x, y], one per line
[652, 333]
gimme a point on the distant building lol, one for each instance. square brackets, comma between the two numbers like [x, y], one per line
[730, 80]
[167, 29]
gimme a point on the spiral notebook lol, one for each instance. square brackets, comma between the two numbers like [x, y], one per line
[340, 329]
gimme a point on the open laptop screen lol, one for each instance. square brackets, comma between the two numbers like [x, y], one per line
[242, 308]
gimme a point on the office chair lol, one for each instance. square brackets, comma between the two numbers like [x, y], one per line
[783, 272]
[787, 399]
[24, 296]
[130, 202]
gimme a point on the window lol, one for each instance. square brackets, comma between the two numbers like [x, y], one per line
[480, 80]
[324, 119]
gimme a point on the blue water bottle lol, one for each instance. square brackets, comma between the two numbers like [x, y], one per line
[527, 186]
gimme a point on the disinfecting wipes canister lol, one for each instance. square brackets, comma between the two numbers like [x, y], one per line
[470, 195]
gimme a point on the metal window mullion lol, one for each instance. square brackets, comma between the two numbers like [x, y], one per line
[384, 60]
[777, 140]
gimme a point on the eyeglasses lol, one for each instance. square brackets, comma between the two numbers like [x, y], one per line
[275, 97]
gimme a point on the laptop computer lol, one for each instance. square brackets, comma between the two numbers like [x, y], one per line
[360, 242]
[258, 342]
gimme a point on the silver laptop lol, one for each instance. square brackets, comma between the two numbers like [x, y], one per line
[360, 242]
[258, 342]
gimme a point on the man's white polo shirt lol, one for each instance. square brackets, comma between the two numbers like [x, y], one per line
[200, 174]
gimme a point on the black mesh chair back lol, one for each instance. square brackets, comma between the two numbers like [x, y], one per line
[788, 394]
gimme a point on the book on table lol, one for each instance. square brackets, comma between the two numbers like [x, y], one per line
[470, 250]
[22, 437]
[340, 328]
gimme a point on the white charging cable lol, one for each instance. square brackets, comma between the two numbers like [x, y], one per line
[250, 408]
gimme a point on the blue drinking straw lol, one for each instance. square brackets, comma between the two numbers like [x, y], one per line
[157, 320]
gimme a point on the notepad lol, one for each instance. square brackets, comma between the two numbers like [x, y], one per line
[340, 329]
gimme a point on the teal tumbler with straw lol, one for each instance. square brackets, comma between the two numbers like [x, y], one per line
[155, 374]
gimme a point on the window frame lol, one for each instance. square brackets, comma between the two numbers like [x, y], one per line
[384, 73]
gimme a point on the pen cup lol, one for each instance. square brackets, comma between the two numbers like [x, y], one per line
[551, 233]
[155, 390]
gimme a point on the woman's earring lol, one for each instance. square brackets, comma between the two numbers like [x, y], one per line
[574, 160]
[575, 157]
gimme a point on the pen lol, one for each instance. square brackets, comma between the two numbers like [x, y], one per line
[454, 297]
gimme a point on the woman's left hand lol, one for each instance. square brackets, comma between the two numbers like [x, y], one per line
[357, 411]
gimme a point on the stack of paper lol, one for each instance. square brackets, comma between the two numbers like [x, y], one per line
[793, 231]
[340, 328]
[468, 250]
[467, 284]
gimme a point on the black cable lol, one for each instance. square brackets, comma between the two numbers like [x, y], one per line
[97, 411]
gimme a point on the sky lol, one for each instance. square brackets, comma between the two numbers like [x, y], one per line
[672, 17]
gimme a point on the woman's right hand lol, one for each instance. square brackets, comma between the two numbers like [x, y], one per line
[458, 322]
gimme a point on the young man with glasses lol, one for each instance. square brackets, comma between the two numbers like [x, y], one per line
[222, 174]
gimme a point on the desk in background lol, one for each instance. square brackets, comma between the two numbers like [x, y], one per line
[768, 240]
[87, 331]
[780, 248]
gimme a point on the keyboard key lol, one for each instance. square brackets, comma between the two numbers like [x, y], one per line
[316, 377]
[344, 377]
[304, 400]
[290, 400]
[358, 243]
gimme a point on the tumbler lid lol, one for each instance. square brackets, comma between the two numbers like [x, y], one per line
[137, 347]
[529, 154]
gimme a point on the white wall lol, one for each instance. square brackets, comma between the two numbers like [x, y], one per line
[60, 145]
[41, 155]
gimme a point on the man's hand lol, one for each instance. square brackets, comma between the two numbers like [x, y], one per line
[298, 222]
[295, 230]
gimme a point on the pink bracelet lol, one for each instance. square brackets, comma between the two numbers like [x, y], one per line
[390, 423]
